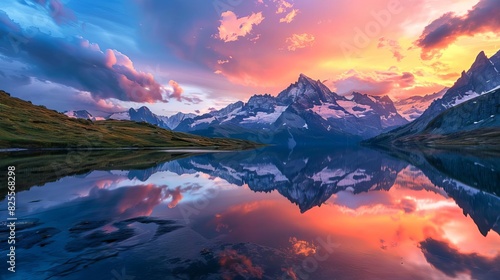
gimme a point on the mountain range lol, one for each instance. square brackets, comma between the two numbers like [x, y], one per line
[306, 111]
[413, 107]
[309, 112]
[24, 125]
[474, 123]
[482, 78]
[143, 114]
[80, 114]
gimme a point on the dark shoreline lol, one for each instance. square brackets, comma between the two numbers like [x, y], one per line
[164, 149]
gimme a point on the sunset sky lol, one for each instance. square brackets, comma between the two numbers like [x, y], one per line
[190, 56]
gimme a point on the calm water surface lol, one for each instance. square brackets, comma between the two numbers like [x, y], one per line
[267, 214]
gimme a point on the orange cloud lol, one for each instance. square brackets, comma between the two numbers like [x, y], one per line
[299, 41]
[283, 5]
[290, 16]
[176, 197]
[302, 247]
[376, 83]
[234, 264]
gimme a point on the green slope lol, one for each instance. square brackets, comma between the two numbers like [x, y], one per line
[24, 125]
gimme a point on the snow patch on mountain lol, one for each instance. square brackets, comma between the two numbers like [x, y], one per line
[82, 114]
[385, 119]
[326, 176]
[326, 111]
[201, 121]
[120, 116]
[173, 121]
[413, 107]
[203, 166]
[354, 108]
[267, 118]
[460, 185]
[461, 99]
[355, 178]
[233, 114]
[267, 169]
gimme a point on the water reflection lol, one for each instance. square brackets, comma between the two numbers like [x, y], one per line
[265, 214]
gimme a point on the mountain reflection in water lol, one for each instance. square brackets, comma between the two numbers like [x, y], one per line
[264, 214]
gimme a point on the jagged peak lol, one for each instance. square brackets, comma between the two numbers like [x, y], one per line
[377, 97]
[78, 112]
[480, 61]
[143, 109]
[84, 112]
[481, 55]
[303, 78]
[302, 75]
[463, 80]
[386, 98]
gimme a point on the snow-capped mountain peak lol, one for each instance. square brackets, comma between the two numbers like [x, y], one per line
[174, 120]
[307, 92]
[306, 109]
[80, 114]
[413, 107]
[482, 77]
[119, 116]
[481, 61]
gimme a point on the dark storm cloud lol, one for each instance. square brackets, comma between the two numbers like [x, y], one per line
[452, 262]
[483, 17]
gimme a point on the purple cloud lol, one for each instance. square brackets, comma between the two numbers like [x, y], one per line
[79, 64]
[442, 32]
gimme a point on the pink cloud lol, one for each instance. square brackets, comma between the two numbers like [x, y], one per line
[231, 27]
[378, 83]
[107, 105]
[393, 46]
[177, 90]
[282, 51]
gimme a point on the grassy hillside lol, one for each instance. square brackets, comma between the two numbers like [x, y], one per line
[23, 125]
